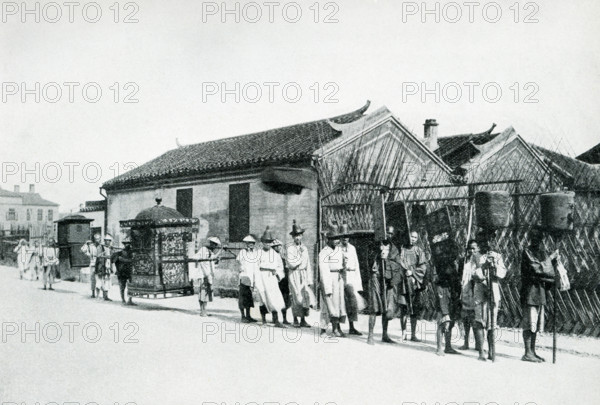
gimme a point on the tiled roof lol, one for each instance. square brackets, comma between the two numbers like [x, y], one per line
[576, 173]
[36, 199]
[6, 193]
[457, 150]
[294, 143]
[591, 156]
[92, 206]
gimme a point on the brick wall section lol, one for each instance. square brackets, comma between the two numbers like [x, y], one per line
[211, 206]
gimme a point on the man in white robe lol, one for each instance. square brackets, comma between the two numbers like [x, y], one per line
[203, 272]
[300, 278]
[249, 262]
[352, 282]
[331, 267]
[267, 280]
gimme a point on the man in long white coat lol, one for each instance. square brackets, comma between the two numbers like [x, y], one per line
[331, 266]
[203, 272]
[248, 260]
[300, 278]
[352, 281]
[104, 267]
[23, 256]
[267, 280]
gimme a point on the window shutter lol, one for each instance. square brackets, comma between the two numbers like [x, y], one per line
[239, 211]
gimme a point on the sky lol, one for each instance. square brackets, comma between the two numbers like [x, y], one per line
[186, 72]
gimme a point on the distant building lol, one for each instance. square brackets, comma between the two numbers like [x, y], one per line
[95, 210]
[28, 211]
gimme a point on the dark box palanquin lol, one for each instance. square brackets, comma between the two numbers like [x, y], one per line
[159, 237]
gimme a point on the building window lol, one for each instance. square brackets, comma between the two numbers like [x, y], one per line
[184, 202]
[11, 215]
[239, 211]
[50, 215]
[40, 215]
[28, 214]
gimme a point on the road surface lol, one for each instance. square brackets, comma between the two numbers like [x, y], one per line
[64, 347]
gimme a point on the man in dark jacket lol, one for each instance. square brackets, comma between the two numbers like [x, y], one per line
[414, 268]
[382, 301]
[537, 276]
[123, 262]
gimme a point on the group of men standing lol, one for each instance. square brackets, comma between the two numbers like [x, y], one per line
[31, 260]
[103, 257]
[467, 288]
[279, 280]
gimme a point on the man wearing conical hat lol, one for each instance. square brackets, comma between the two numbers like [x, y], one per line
[300, 277]
[248, 259]
[352, 280]
[203, 273]
[267, 280]
[331, 268]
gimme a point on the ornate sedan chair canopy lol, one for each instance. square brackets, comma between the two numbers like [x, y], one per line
[159, 240]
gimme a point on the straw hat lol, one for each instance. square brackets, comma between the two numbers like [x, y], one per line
[213, 240]
[249, 239]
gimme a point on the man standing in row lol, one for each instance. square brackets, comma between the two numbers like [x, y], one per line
[249, 261]
[469, 264]
[267, 280]
[104, 266]
[414, 265]
[537, 277]
[383, 300]
[300, 277]
[123, 261]
[203, 272]
[284, 283]
[352, 281]
[447, 287]
[90, 249]
[50, 261]
[492, 267]
[331, 266]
